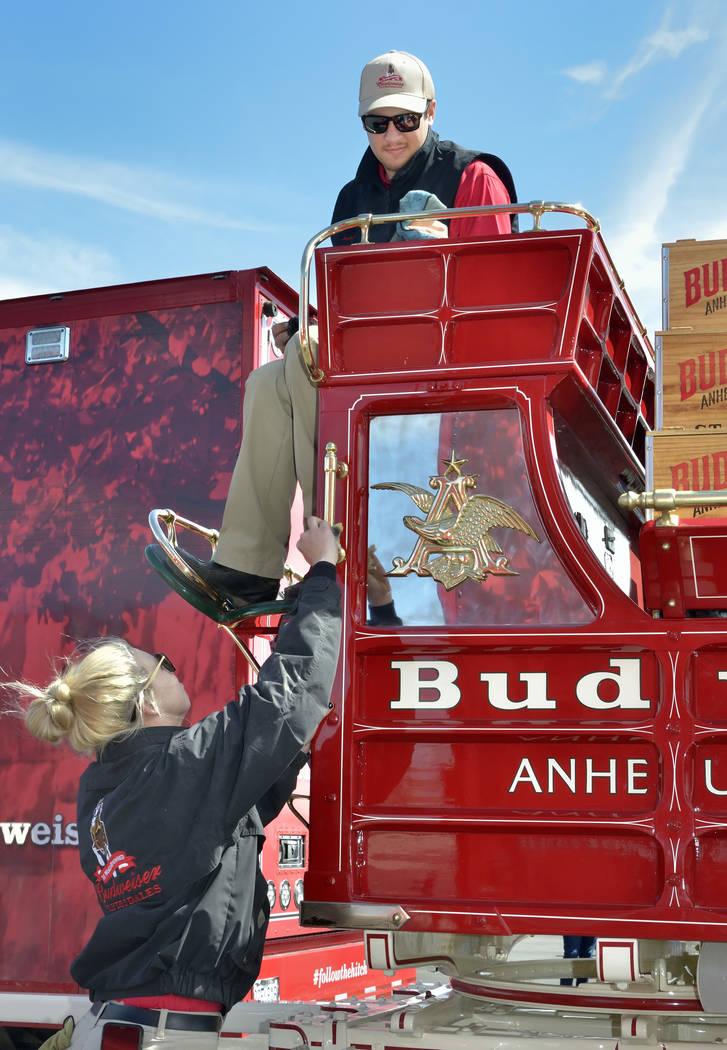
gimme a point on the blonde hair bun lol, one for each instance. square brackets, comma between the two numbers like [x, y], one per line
[60, 708]
[94, 701]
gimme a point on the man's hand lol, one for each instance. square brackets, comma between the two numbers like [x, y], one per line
[318, 542]
[377, 582]
[427, 227]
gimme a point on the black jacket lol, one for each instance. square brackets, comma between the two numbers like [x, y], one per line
[384, 616]
[177, 817]
[437, 167]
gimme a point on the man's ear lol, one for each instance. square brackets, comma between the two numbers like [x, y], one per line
[432, 107]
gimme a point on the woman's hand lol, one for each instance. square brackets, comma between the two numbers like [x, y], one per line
[318, 542]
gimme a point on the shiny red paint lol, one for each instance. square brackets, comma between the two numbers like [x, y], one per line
[590, 795]
[625, 1003]
[685, 566]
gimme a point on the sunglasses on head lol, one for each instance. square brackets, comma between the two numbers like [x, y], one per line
[377, 125]
[162, 662]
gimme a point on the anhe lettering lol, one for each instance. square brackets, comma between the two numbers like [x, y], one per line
[718, 303]
[586, 776]
[714, 397]
[610, 776]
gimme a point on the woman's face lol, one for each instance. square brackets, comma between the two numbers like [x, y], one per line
[171, 697]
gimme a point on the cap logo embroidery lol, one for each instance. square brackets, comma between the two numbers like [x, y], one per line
[390, 79]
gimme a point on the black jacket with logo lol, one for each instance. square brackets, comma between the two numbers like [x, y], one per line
[170, 823]
[437, 167]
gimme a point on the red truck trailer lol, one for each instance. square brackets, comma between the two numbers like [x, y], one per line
[113, 399]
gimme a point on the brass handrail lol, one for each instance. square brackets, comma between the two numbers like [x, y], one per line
[334, 469]
[364, 222]
[666, 501]
[163, 525]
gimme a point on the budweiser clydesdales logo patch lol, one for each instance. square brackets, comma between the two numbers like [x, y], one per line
[117, 885]
[454, 542]
[390, 79]
[109, 864]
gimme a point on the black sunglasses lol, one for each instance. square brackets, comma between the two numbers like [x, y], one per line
[162, 662]
[405, 122]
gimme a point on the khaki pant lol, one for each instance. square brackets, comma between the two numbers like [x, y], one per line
[279, 423]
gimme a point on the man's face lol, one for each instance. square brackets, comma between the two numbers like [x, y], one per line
[394, 148]
[280, 335]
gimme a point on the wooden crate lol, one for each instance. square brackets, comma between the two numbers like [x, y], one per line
[695, 285]
[692, 378]
[694, 460]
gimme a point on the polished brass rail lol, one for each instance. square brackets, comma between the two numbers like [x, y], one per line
[666, 501]
[536, 209]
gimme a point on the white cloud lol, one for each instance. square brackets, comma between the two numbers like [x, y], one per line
[674, 42]
[657, 202]
[664, 43]
[644, 215]
[33, 265]
[12, 289]
[592, 73]
[128, 188]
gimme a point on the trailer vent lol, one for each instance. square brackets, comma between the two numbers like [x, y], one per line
[291, 851]
[47, 344]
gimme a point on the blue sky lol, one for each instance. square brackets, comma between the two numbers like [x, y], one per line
[157, 139]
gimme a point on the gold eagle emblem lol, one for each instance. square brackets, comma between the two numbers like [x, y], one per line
[454, 542]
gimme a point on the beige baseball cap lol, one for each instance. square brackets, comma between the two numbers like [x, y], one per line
[396, 79]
